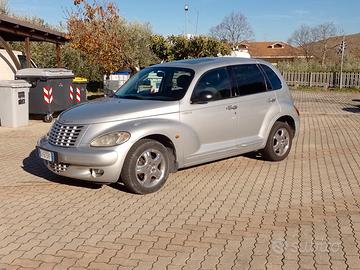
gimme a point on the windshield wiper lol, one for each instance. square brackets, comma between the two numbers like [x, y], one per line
[131, 97]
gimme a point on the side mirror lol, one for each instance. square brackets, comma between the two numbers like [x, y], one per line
[205, 96]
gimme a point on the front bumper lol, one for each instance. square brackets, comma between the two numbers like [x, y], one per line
[79, 162]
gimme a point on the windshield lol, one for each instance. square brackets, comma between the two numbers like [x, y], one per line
[157, 83]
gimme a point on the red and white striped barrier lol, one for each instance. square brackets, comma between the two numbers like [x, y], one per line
[77, 95]
[71, 94]
[78, 98]
[48, 96]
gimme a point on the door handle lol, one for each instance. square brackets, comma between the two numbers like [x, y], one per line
[271, 100]
[231, 107]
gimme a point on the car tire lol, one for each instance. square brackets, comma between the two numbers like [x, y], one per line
[279, 142]
[48, 118]
[146, 167]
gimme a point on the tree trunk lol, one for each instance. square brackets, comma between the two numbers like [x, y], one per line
[323, 58]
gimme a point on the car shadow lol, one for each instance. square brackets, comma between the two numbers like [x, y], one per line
[251, 155]
[33, 165]
[254, 155]
[121, 187]
[354, 109]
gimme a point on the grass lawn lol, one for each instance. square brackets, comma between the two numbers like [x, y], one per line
[322, 89]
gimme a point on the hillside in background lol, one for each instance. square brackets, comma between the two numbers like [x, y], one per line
[352, 46]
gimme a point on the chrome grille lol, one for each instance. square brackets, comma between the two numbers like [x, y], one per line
[58, 167]
[64, 135]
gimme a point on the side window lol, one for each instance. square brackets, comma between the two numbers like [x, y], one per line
[249, 79]
[275, 82]
[216, 81]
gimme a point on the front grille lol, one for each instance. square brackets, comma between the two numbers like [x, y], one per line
[64, 135]
[58, 167]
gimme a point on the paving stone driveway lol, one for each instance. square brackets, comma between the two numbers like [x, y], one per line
[239, 213]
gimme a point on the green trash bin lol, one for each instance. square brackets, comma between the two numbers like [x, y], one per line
[49, 90]
[78, 90]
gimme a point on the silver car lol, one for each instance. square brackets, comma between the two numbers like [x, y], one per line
[174, 115]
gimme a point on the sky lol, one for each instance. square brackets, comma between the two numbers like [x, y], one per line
[271, 20]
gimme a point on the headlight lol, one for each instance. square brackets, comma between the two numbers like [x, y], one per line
[111, 139]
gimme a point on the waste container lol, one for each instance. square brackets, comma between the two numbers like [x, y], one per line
[115, 80]
[14, 103]
[50, 90]
[78, 90]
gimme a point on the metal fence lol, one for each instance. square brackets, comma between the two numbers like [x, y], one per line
[322, 79]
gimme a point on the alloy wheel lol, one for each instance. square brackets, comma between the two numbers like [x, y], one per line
[150, 168]
[281, 142]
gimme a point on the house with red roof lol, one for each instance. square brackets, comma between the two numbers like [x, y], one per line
[271, 51]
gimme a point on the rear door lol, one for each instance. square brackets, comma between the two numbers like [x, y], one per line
[256, 105]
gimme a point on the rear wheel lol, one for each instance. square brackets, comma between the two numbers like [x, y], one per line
[146, 167]
[279, 142]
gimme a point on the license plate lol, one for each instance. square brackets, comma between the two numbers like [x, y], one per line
[47, 155]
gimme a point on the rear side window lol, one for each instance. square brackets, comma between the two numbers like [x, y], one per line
[274, 81]
[216, 81]
[249, 79]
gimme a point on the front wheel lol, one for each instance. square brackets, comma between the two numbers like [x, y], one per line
[279, 142]
[146, 167]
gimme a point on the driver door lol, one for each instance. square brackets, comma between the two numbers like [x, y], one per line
[215, 121]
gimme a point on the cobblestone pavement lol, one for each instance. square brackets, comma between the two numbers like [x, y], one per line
[238, 213]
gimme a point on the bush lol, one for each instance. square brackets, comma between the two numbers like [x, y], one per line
[180, 47]
[351, 64]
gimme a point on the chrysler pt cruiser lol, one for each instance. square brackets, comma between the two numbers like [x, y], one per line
[174, 115]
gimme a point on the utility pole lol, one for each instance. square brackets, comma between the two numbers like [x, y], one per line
[186, 9]
[342, 50]
[197, 22]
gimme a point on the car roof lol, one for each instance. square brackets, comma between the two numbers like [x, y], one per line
[206, 63]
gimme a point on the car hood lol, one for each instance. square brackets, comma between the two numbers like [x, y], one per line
[115, 109]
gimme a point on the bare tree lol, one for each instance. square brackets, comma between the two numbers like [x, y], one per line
[234, 28]
[314, 40]
[323, 33]
[4, 7]
[303, 38]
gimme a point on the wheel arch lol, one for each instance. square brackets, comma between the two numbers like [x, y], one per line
[289, 120]
[168, 143]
